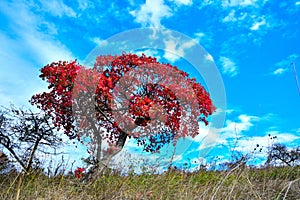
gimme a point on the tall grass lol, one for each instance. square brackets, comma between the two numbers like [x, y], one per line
[238, 183]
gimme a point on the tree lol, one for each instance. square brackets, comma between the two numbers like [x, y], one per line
[280, 154]
[24, 133]
[124, 96]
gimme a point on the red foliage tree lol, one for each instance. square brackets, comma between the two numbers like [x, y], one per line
[123, 96]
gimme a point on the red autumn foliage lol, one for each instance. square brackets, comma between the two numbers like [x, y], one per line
[127, 95]
[79, 172]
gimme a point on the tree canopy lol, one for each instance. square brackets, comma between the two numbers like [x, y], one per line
[124, 96]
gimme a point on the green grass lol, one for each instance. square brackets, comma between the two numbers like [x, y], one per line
[239, 183]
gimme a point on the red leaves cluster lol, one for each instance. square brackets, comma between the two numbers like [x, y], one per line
[145, 90]
[58, 101]
[79, 172]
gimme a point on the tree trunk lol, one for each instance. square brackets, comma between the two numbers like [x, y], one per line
[122, 139]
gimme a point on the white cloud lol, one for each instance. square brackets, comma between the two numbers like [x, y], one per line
[45, 50]
[99, 42]
[286, 138]
[248, 144]
[131, 157]
[182, 2]
[210, 137]
[205, 3]
[258, 24]
[151, 13]
[287, 61]
[244, 124]
[22, 54]
[229, 111]
[283, 65]
[205, 39]
[209, 57]
[297, 3]
[18, 77]
[259, 145]
[40, 47]
[280, 71]
[234, 131]
[58, 8]
[174, 49]
[232, 3]
[234, 135]
[228, 66]
[283, 137]
[84, 4]
[248, 2]
[149, 52]
[233, 17]
[199, 35]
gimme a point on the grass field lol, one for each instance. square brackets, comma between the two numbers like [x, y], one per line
[237, 183]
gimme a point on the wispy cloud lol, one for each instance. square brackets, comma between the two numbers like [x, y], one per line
[199, 36]
[205, 39]
[284, 137]
[283, 66]
[233, 17]
[280, 71]
[248, 20]
[211, 137]
[232, 128]
[98, 41]
[19, 72]
[149, 52]
[209, 57]
[151, 13]
[232, 3]
[84, 4]
[257, 146]
[256, 25]
[182, 2]
[228, 67]
[58, 8]
[18, 77]
[175, 49]
[234, 136]
[41, 47]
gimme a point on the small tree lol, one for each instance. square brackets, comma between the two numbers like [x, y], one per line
[124, 96]
[24, 133]
[4, 162]
[280, 154]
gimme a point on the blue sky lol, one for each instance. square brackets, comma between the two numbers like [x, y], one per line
[252, 43]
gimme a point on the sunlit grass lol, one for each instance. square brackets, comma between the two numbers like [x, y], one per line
[237, 183]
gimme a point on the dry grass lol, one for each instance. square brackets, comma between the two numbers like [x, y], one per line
[238, 183]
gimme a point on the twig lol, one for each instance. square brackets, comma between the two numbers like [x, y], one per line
[256, 194]
[288, 188]
[296, 77]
